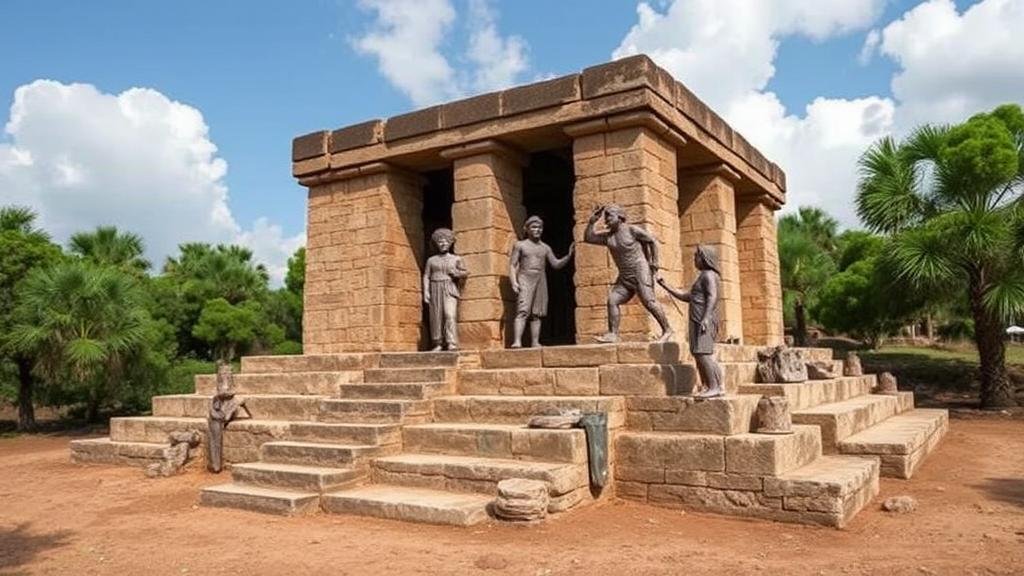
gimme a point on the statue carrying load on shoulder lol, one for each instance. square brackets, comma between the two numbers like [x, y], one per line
[703, 318]
[635, 252]
[527, 271]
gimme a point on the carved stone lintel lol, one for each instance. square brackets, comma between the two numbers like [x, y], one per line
[773, 416]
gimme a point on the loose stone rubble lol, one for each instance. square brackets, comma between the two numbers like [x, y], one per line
[852, 366]
[780, 365]
[520, 499]
[175, 456]
[820, 371]
[900, 504]
[773, 415]
[887, 384]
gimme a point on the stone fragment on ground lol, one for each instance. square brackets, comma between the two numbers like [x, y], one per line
[886, 384]
[175, 456]
[900, 504]
[781, 365]
[520, 499]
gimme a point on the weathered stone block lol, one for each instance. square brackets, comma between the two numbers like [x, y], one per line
[587, 355]
[470, 110]
[625, 74]
[760, 454]
[357, 135]
[673, 451]
[638, 379]
[309, 145]
[521, 358]
[541, 95]
[412, 124]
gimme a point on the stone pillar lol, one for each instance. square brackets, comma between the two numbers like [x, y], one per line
[486, 217]
[760, 284]
[364, 245]
[629, 160]
[707, 215]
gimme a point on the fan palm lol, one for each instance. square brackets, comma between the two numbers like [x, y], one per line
[107, 246]
[81, 323]
[950, 198]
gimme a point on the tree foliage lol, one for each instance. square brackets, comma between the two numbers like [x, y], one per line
[806, 240]
[229, 328]
[950, 199]
[107, 246]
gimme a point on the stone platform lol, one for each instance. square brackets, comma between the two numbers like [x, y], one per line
[426, 437]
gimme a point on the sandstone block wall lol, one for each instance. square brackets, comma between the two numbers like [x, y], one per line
[707, 215]
[364, 248]
[759, 272]
[487, 214]
[635, 167]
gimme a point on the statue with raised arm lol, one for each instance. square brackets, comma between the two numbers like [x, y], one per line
[527, 271]
[703, 299]
[635, 252]
[442, 275]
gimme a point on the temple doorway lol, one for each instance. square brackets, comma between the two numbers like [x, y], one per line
[548, 183]
[438, 197]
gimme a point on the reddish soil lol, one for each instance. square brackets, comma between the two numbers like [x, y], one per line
[61, 518]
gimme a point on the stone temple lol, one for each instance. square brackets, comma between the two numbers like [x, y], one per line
[366, 423]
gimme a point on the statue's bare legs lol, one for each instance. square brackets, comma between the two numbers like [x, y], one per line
[534, 332]
[710, 376]
[618, 296]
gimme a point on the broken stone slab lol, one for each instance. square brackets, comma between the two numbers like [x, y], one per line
[819, 371]
[563, 419]
[781, 365]
[886, 384]
[900, 504]
[176, 455]
[773, 416]
[522, 500]
[852, 366]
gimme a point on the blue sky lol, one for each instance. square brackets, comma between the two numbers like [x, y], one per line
[262, 72]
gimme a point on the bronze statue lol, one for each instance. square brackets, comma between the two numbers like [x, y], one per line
[635, 252]
[703, 323]
[527, 264]
[224, 408]
[442, 275]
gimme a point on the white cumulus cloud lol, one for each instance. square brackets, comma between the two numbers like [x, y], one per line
[413, 42]
[137, 160]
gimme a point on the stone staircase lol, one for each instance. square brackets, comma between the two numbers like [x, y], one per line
[427, 436]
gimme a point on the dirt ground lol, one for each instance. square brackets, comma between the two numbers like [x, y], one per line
[60, 518]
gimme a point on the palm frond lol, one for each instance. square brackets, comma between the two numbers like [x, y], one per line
[887, 198]
[1004, 296]
[922, 257]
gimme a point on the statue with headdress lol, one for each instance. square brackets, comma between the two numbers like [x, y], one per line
[635, 253]
[442, 276]
[528, 272]
[703, 318]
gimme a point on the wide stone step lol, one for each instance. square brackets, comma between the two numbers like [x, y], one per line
[508, 441]
[260, 499]
[583, 355]
[294, 476]
[309, 363]
[901, 442]
[520, 409]
[395, 391]
[812, 393]
[726, 416]
[530, 382]
[419, 360]
[316, 454]
[374, 411]
[263, 407]
[334, 433]
[106, 451]
[152, 428]
[829, 491]
[316, 383]
[566, 482]
[840, 420]
[410, 504]
[385, 375]
[697, 459]
[746, 353]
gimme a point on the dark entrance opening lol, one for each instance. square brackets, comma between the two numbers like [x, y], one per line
[547, 192]
[438, 197]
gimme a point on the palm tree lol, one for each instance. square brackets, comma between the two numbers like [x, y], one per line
[804, 269]
[82, 323]
[22, 248]
[950, 198]
[821, 228]
[107, 246]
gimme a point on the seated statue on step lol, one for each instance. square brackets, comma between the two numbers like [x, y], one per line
[528, 273]
[635, 252]
[442, 276]
[224, 408]
[703, 318]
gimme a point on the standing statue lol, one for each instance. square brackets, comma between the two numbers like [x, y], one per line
[703, 299]
[635, 252]
[441, 277]
[527, 270]
[224, 408]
